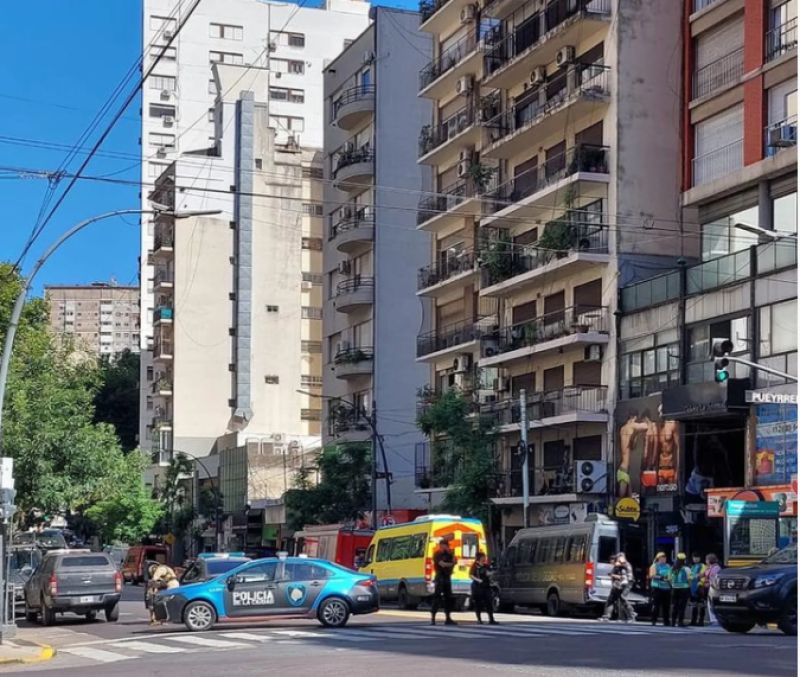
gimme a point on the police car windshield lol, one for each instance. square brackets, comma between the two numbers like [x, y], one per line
[222, 566]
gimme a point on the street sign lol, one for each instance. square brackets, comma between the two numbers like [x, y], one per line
[627, 509]
[756, 397]
[169, 539]
[6, 473]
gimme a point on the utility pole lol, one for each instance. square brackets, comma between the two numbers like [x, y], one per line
[373, 424]
[526, 485]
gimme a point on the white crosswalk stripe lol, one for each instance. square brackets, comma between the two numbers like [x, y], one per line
[96, 655]
[205, 641]
[147, 647]
[248, 636]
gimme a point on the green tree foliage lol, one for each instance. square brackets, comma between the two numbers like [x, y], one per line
[471, 449]
[117, 399]
[343, 490]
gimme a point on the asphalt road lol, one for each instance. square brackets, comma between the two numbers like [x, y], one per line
[396, 644]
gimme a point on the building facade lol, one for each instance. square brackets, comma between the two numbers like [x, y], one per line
[372, 248]
[545, 200]
[102, 318]
[179, 113]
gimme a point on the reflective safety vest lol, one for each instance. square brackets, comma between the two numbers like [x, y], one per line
[660, 576]
[680, 577]
[698, 578]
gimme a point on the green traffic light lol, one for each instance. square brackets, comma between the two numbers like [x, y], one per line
[721, 376]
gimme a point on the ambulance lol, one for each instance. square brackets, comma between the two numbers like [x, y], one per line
[400, 556]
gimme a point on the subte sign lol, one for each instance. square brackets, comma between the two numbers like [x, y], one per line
[627, 509]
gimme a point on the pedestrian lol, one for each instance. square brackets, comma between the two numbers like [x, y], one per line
[698, 591]
[621, 582]
[482, 589]
[443, 564]
[710, 574]
[681, 580]
[615, 611]
[660, 589]
[159, 577]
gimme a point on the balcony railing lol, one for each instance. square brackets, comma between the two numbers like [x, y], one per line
[427, 8]
[718, 163]
[449, 59]
[501, 49]
[451, 197]
[343, 419]
[702, 4]
[543, 481]
[591, 80]
[450, 266]
[582, 158]
[356, 219]
[453, 335]
[719, 74]
[353, 156]
[164, 277]
[353, 95]
[781, 39]
[780, 135]
[163, 385]
[164, 237]
[542, 405]
[162, 418]
[432, 137]
[354, 355]
[163, 347]
[163, 313]
[435, 464]
[718, 272]
[555, 325]
[354, 284]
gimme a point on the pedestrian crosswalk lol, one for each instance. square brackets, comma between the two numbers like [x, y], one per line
[163, 645]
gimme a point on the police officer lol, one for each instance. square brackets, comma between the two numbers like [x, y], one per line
[660, 588]
[482, 589]
[698, 591]
[681, 580]
[160, 577]
[443, 564]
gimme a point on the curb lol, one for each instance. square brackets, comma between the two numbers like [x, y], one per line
[46, 653]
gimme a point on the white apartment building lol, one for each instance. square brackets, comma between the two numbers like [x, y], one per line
[278, 52]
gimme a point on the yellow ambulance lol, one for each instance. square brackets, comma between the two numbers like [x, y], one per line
[401, 557]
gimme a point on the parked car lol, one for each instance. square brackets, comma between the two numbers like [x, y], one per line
[133, 567]
[77, 581]
[47, 539]
[117, 553]
[22, 562]
[272, 588]
[764, 593]
[211, 565]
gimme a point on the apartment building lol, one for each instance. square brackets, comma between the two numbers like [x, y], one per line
[238, 293]
[372, 248]
[740, 192]
[546, 197]
[102, 317]
[179, 114]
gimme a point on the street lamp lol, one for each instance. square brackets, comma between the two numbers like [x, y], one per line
[772, 235]
[8, 346]
[377, 442]
[214, 486]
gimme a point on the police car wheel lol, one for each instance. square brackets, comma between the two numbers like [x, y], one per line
[334, 613]
[199, 616]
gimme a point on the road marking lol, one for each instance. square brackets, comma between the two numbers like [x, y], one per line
[351, 635]
[207, 642]
[148, 647]
[296, 633]
[95, 654]
[248, 636]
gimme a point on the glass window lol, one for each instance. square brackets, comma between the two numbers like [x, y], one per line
[86, 561]
[607, 548]
[784, 213]
[258, 573]
[469, 546]
[524, 552]
[545, 553]
[402, 547]
[576, 552]
[778, 331]
[384, 550]
[722, 237]
[305, 571]
[560, 547]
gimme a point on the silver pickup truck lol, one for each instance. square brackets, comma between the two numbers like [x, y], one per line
[76, 581]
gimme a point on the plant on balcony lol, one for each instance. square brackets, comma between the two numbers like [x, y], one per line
[352, 357]
[587, 158]
[561, 235]
[480, 175]
[498, 260]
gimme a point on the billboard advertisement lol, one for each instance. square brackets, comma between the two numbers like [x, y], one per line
[647, 451]
[774, 455]
[784, 496]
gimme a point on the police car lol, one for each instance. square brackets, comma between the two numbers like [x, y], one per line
[274, 588]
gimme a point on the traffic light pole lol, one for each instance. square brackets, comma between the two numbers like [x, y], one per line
[761, 367]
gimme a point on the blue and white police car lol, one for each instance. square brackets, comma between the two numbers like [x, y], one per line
[274, 588]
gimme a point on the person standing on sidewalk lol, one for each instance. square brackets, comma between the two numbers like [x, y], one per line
[482, 589]
[443, 564]
[681, 580]
[712, 569]
[698, 592]
[621, 582]
[660, 589]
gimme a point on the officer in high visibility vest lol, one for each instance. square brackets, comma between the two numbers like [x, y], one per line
[698, 592]
[660, 588]
[681, 580]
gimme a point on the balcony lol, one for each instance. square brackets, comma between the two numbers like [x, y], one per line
[164, 280]
[163, 386]
[700, 5]
[543, 112]
[544, 481]
[781, 40]
[354, 294]
[780, 135]
[354, 106]
[436, 16]
[460, 337]
[579, 404]
[439, 78]
[435, 465]
[446, 210]
[560, 330]
[353, 167]
[163, 315]
[536, 42]
[507, 271]
[454, 269]
[718, 75]
[440, 144]
[718, 163]
[348, 424]
[162, 419]
[163, 349]
[163, 242]
[352, 362]
[583, 169]
[354, 230]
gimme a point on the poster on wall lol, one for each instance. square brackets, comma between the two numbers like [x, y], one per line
[648, 449]
[784, 496]
[774, 456]
[548, 514]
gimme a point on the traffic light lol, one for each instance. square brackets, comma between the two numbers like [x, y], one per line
[720, 349]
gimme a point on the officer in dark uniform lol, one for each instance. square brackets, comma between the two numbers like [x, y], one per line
[443, 564]
[482, 589]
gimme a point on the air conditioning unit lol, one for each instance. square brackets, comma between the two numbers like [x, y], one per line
[161, 152]
[593, 353]
[165, 94]
[462, 363]
[490, 349]
[565, 55]
[591, 477]
[344, 267]
[783, 136]
[168, 35]
[369, 57]
[464, 85]
[168, 120]
[468, 14]
[277, 438]
[344, 213]
[538, 75]
[463, 168]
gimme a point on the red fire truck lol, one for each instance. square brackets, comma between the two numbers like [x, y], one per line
[344, 545]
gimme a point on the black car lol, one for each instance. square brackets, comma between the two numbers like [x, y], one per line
[764, 593]
[205, 568]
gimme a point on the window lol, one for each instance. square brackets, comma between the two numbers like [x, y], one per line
[157, 140]
[784, 213]
[272, 380]
[211, 114]
[158, 111]
[312, 243]
[311, 347]
[311, 381]
[258, 573]
[226, 31]
[777, 340]
[384, 550]
[313, 173]
[297, 40]
[313, 278]
[576, 550]
[165, 53]
[163, 82]
[288, 95]
[607, 548]
[226, 57]
[652, 368]
[297, 67]
[272, 309]
[259, 163]
[306, 571]
[310, 415]
[544, 554]
[310, 313]
[156, 169]
[718, 146]
[469, 546]
[212, 86]
[312, 209]
[559, 548]
[85, 561]
[288, 66]
[721, 237]
[287, 123]
[700, 369]
[159, 23]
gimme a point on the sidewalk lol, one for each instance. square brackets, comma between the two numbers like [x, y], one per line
[18, 650]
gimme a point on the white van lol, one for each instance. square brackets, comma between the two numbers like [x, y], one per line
[560, 568]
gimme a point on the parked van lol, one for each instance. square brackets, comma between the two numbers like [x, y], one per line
[133, 567]
[559, 568]
[401, 557]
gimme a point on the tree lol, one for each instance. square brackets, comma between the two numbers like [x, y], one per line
[117, 399]
[342, 492]
[471, 450]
